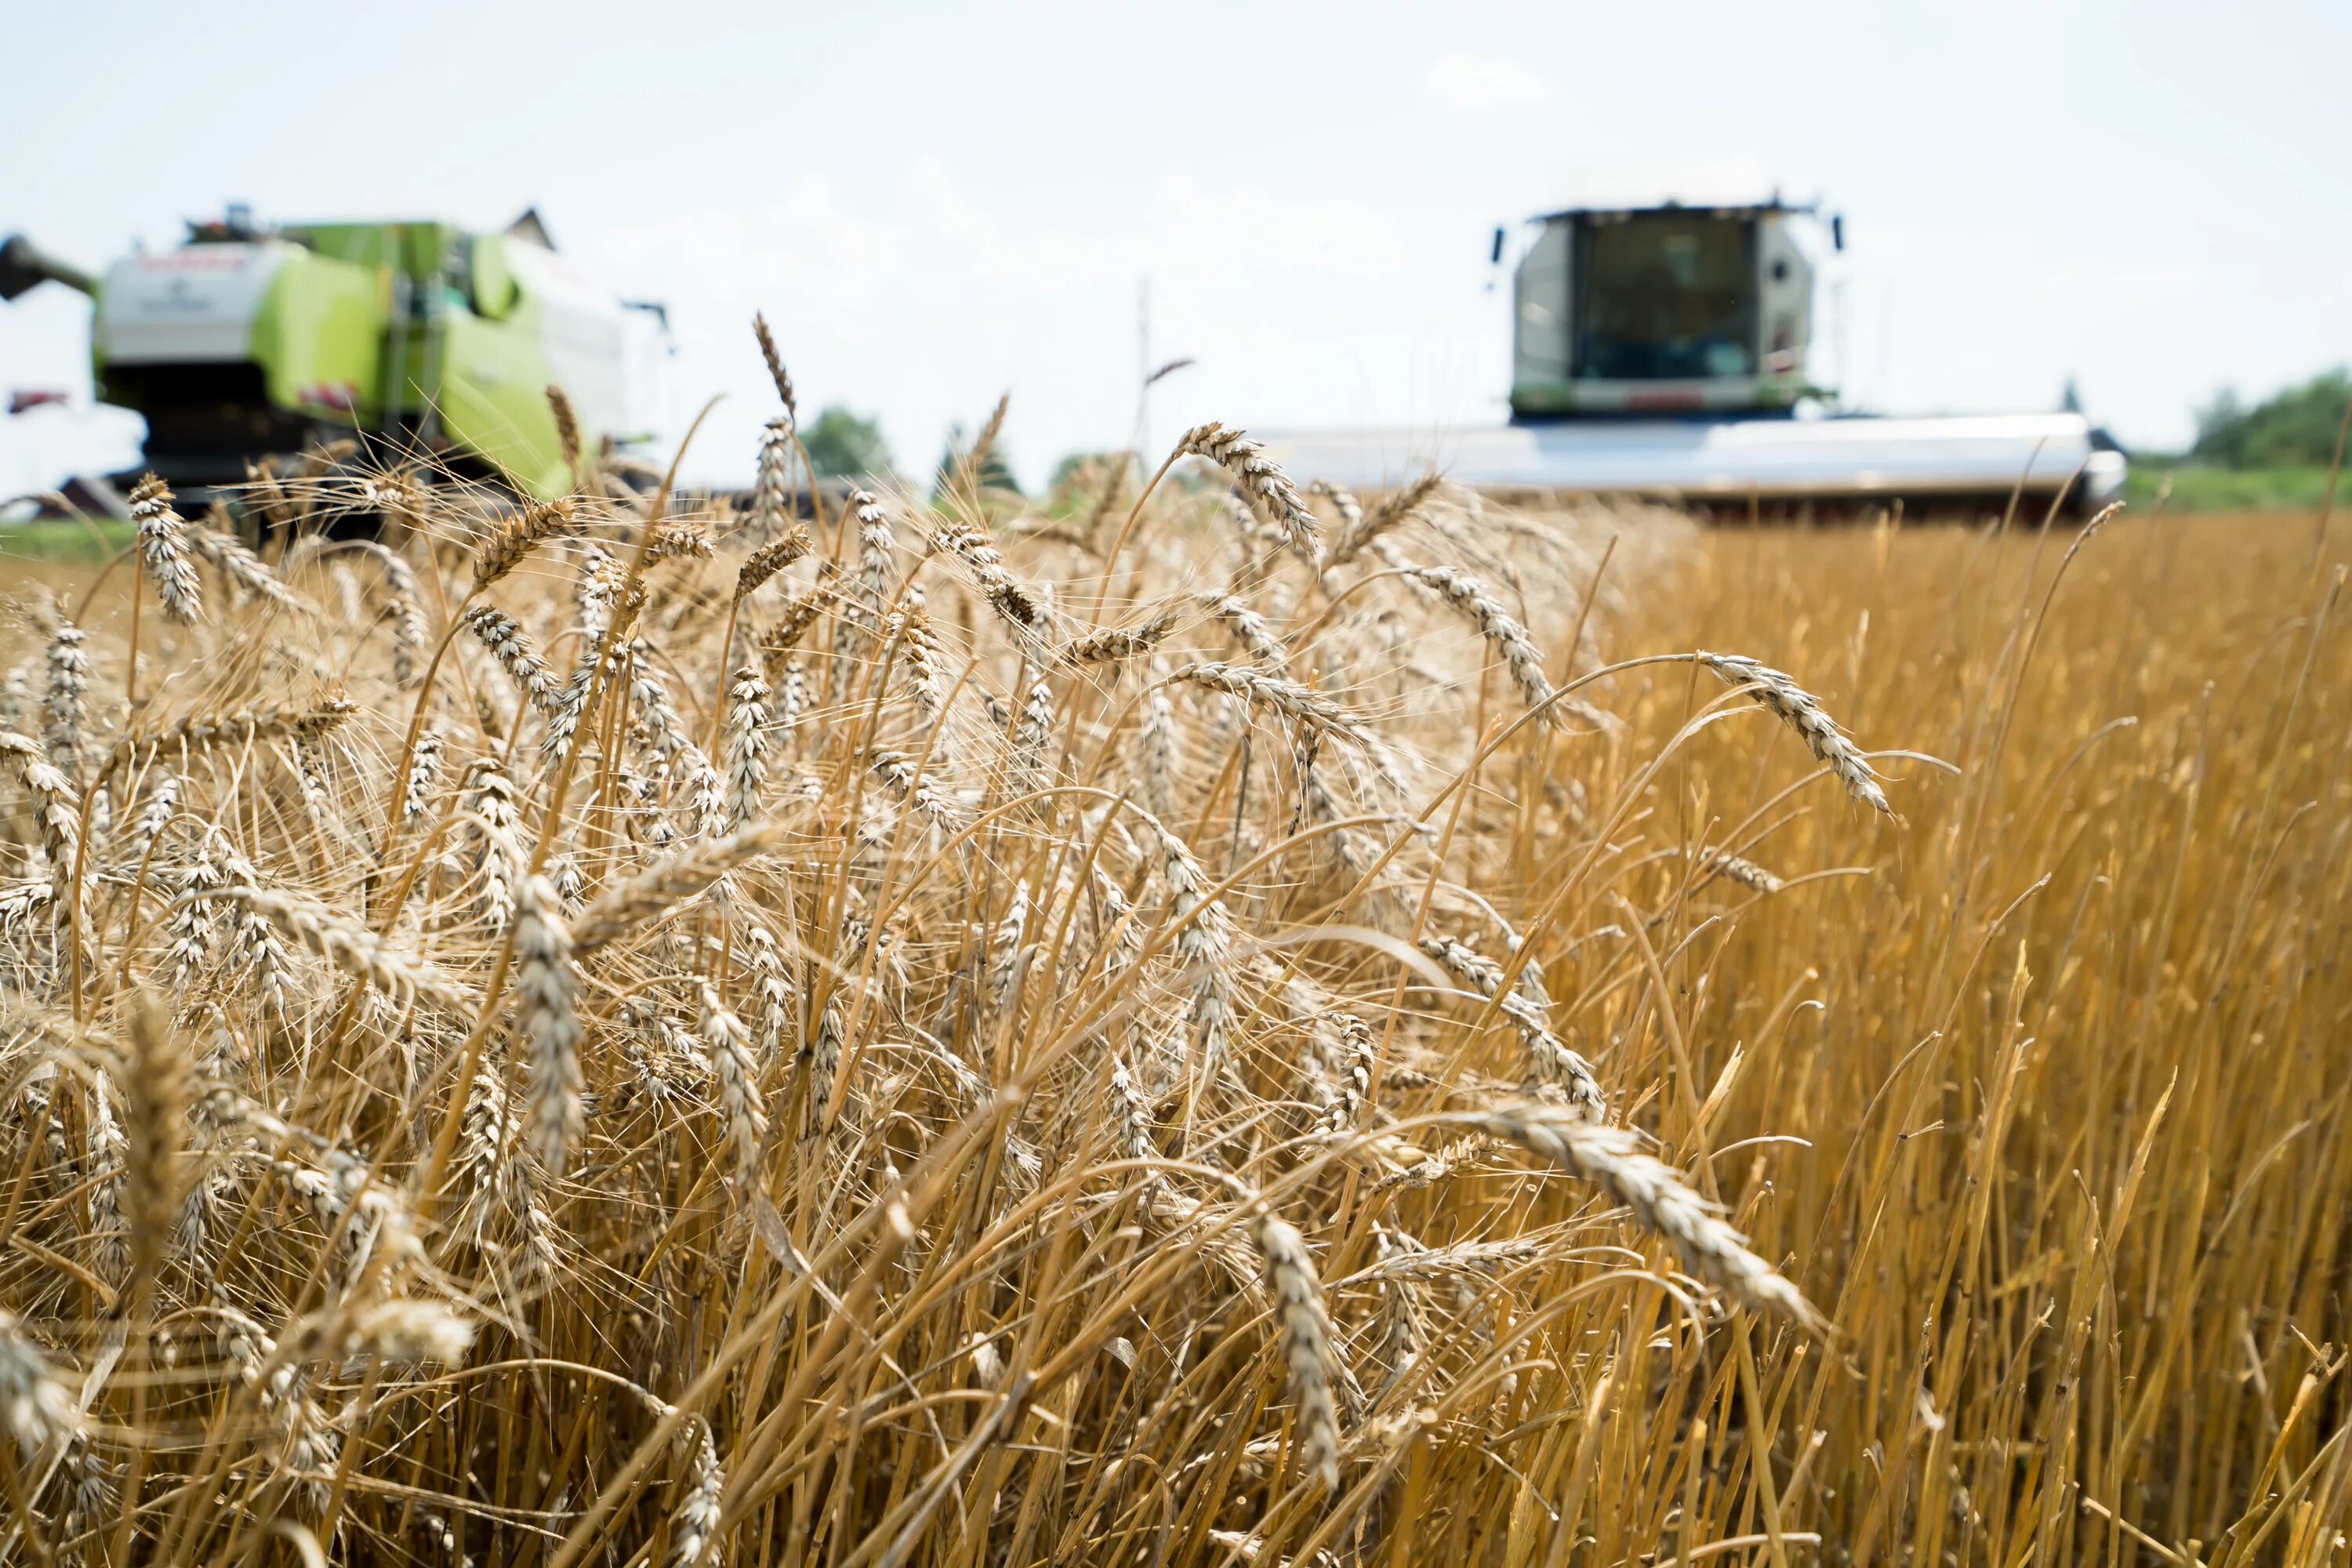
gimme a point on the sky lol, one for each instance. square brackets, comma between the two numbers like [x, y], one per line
[936, 204]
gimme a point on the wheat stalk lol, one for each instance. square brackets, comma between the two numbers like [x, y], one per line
[1507, 636]
[53, 809]
[1306, 1342]
[162, 804]
[877, 543]
[694, 1527]
[1261, 480]
[1016, 604]
[1367, 528]
[1203, 942]
[1249, 628]
[746, 748]
[1117, 645]
[490, 823]
[1263, 689]
[1778, 692]
[775, 362]
[164, 551]
[798, 615]
[897, 770]
[772, 984]
[983, 445]
[1661, 1201]
[239, 728]
[1356, 1081]
[514, 541]
[156, 1111]
[772, 489]
[1552, 1061]
[502, 636]
[34, 1402]
[67, 703]
[682, 539]
[770, 559]
[724, 1037]
[353, 948]
[1746, 872]
[247, 572]
[547, 1012]
[661, 886]
[408, 633]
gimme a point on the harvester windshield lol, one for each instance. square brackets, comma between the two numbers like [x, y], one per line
[1667, 309]
[1665, 297]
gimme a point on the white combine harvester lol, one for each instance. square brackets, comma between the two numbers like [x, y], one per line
[1661, 351]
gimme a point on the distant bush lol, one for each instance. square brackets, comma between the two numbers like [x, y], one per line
[843, 445]
[1087, 469]
[2171, 484]
[995, 469]
[2295, 429]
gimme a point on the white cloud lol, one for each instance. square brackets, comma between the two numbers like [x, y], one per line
[1480, 83]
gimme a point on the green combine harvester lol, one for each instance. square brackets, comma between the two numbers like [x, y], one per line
[247, 341]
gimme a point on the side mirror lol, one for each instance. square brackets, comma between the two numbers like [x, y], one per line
[1837, 231]
[1495, 256]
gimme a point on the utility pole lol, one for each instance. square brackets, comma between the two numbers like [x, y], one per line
[1143, 367]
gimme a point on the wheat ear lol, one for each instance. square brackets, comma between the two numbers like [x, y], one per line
[1261, 479]
[508, 547]
[1305, 1342]
[724, 1037]
[1661, 1200]
[770, 559]
[1777, 691]
[776, 371]
[164, 551]
[547, 1009]
[351, 947]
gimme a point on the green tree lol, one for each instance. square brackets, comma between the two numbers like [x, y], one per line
[845, 446]
[2294, 428]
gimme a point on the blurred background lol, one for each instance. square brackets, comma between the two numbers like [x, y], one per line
[2148, 205]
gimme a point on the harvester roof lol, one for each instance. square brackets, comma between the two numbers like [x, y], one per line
[1712, 210]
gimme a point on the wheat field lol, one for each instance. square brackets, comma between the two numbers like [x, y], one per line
[1234, 1022]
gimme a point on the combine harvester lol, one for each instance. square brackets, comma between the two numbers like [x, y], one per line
[245, 343]
[1660, 351]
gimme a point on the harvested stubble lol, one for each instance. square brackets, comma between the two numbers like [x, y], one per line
[1008, 1117]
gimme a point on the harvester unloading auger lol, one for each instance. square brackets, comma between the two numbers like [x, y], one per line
[1662, 351]
[245, 342]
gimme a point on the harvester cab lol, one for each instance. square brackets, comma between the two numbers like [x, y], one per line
[246, 341]
[1665, 310]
